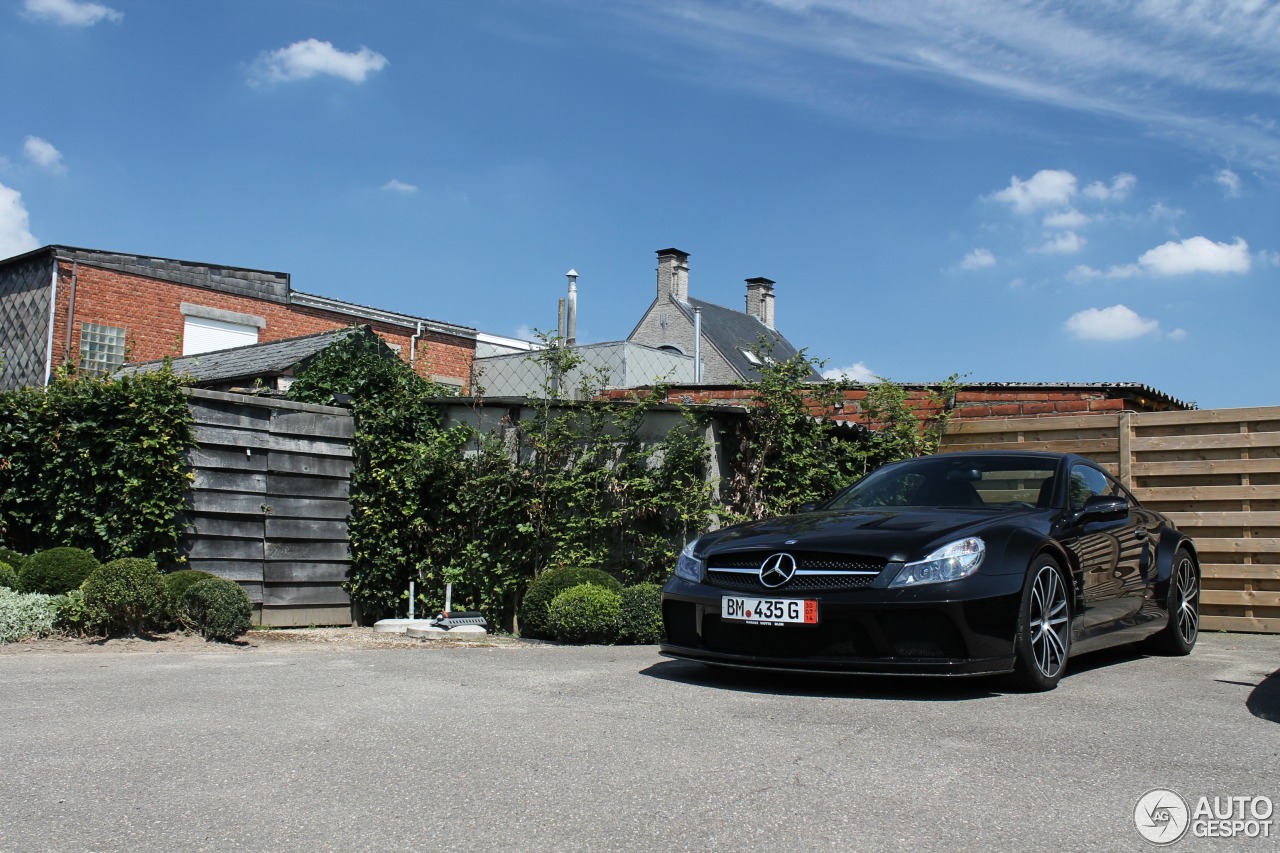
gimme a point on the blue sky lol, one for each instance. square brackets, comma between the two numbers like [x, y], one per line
[1012, 191]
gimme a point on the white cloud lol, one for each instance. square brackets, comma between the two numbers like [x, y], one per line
[396, 185]
[1046, 188]
[1188, 70]
[1084, 272]
[1119, 189]
[1229, 181]
[305, 59]
[70, 13]
[1066, 243]
[978, 259]
[15, 233]
[1116, 323]
[43, 154]
[1269, 258]
[1068, 219]
[854, 373]
[1197, 254]
[1177, 335]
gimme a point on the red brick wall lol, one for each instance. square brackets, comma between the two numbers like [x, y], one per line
[970, 403]
[150, 310]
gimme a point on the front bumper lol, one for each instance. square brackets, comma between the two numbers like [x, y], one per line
[961, 628]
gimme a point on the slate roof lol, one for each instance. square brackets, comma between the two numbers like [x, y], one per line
[270, 359]
[735, 333]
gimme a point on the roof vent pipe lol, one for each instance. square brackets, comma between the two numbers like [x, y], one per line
[571, 313]
[697, 346]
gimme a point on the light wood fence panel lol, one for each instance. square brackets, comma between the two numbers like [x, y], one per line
[1216, 473]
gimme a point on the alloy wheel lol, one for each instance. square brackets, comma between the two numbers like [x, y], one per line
[1048, 621]
[1187, 600]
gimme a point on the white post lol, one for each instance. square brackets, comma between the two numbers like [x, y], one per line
[411, 599]
[448, 598]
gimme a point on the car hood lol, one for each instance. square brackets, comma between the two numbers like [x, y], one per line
[892, 534]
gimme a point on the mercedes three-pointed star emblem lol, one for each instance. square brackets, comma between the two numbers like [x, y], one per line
[777, 569]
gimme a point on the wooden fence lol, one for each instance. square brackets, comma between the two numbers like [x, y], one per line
[269, 505]
[1215, 473]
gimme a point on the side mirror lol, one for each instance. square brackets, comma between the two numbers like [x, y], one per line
[1104, 508]
[810, 507]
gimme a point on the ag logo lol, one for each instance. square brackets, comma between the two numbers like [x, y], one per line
[1161, 816]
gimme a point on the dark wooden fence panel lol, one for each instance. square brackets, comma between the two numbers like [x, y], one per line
[269, 504]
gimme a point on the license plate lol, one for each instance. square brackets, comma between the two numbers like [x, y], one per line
[769, 611]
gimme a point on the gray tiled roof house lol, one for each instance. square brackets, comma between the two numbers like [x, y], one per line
[732, 341]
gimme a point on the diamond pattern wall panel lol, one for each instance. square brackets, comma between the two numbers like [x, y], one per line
[24, 321]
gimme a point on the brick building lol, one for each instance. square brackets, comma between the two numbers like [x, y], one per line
[61, 303]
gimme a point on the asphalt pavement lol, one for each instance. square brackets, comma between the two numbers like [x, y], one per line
[545, 747]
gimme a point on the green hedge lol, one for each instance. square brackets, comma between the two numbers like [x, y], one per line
[56, 571]
[534, 608]
[586, 613]
[641, 618]
[96, 463]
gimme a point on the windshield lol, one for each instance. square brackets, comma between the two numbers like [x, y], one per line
[992, 482]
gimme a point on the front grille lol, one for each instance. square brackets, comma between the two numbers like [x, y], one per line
[808, 583]
[816, 571]
[815, 560]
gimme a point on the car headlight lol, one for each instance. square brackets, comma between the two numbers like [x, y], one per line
[949, 563]
[688, 566]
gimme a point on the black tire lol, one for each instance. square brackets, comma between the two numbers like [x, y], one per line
[1043, 641]
[1178, 637]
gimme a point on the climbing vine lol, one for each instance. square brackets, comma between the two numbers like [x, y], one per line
[570, 477]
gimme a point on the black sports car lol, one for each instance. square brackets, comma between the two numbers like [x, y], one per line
[956, 564]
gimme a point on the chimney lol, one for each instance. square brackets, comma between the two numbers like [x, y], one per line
[760, 300]
[673, 274]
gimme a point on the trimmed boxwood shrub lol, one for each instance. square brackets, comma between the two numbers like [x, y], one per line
[641, 618]
[56, 571]
[585, 613]
[126, 595]
[176, 585]
[25, 615]
[549, 584]
[8, 577]
[220, 608]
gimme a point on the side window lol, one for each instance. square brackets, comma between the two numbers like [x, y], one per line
[1086, 482]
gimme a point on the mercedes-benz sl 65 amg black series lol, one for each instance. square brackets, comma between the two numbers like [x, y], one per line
[957, 564]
